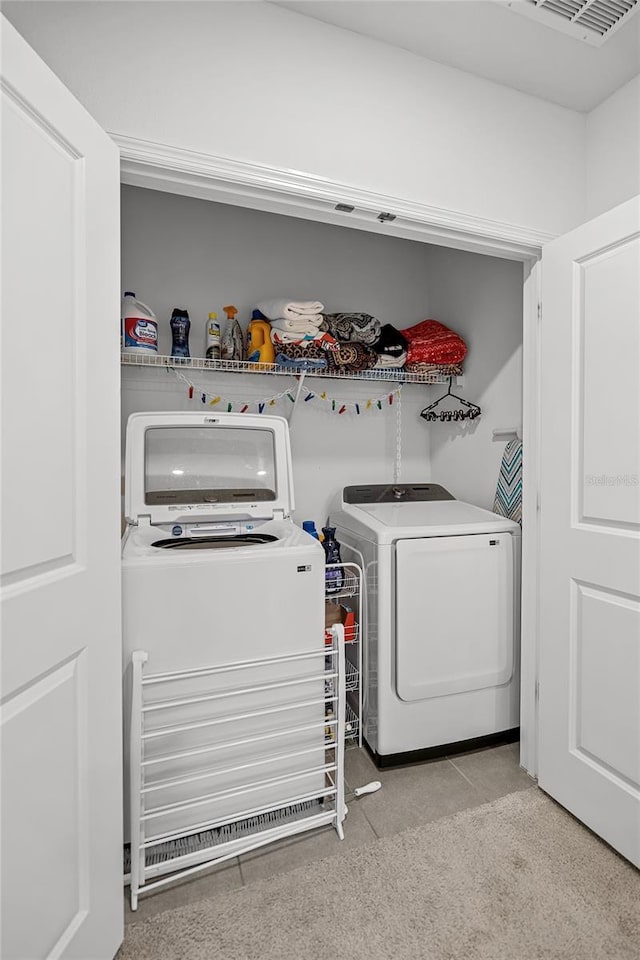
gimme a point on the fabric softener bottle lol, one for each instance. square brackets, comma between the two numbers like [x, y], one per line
[180, 325]
[333, 575]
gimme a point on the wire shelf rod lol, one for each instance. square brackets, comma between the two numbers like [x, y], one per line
[259, 738]
[153, 678]
[154, 812]
[244, 366]
[169, 782]
[240, 845]
[233, 718]
[175, 702]
[212, 824]
[265, 838]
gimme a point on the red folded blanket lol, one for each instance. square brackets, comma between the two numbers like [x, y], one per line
[431, 342]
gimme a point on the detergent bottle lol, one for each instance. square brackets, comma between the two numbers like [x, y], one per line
[213, 338]
[333, 577]
[180, 326]
[259, 346]
[139, 327]
[231, 343]
[309, 527]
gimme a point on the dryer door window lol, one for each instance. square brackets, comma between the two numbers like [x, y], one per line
[454, 615]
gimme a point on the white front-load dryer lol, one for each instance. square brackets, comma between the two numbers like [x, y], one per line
[442, 620]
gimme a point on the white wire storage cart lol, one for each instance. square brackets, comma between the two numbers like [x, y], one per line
[262, 759]
[344, 605]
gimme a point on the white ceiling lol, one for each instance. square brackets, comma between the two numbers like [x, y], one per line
[488, 39]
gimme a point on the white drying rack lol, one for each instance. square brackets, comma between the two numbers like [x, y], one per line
[174, 854]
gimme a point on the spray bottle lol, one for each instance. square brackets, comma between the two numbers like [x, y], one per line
[231, 344]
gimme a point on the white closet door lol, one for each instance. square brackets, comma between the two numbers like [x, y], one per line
[590, 526]
[61, 706]
[454, 614]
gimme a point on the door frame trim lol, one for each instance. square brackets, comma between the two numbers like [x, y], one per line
[160, 166]
[530, 568]
[171, 169]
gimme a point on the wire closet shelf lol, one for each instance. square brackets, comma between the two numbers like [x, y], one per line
[244, 366]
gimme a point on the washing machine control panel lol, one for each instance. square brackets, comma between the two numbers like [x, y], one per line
[220, 529]
[395, 493]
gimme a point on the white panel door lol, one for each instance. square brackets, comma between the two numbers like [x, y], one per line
[590, 526]
[60, 586]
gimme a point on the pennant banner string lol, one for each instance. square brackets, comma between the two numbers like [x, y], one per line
[334, 404]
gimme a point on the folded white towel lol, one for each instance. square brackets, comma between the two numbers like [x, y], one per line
[290, 309]
[386, 362]
[308, 324]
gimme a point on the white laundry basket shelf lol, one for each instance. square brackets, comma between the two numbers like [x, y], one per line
[200, 794]
[350, 597]
[352, 724]
[352, 677]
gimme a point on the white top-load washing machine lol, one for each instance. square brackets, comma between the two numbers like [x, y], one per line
[442, 623]
[215, 571]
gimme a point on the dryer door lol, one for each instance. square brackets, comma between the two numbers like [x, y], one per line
[454, 614]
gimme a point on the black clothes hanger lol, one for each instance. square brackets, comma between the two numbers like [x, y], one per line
[472, 411]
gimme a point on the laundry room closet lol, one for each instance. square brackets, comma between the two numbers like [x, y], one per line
[200, 255]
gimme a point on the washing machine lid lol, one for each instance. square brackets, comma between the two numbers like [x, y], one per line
[409, 511]
[432, 519]
[188, 467]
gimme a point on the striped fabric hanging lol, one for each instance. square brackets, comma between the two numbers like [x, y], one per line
[508, 501]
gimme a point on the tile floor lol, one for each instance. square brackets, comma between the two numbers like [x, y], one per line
[410, 796]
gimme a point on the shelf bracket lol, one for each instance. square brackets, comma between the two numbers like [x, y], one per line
[296, 398]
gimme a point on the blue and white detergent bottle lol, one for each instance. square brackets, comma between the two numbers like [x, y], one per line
[139, 334]
[180, 326]
[334, 576]
[309, 527]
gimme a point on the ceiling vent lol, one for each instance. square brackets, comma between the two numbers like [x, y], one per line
[592, 21]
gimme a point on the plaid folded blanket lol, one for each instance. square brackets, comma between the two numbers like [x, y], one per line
[386, 362]
[443, 369]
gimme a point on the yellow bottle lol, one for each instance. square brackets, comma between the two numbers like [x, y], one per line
[259, 346]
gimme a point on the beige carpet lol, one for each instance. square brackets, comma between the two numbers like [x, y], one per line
[515, 879]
